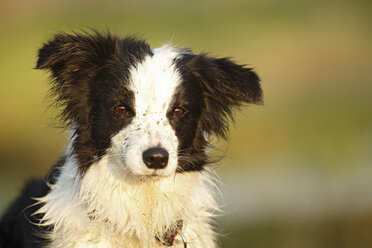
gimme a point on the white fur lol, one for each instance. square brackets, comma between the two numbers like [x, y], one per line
[127, 211]
[120, 202]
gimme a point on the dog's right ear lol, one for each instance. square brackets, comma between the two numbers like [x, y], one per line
[74, 60]
[55, 53]
[67, 54]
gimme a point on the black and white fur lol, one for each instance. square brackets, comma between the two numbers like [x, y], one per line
[121, 98]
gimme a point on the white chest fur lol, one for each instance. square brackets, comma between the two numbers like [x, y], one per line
[108, 209]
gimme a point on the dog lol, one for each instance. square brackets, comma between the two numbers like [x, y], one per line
[136, 169]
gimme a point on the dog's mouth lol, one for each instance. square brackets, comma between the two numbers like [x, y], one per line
[153, 177]
[157, 173]
[147, 173]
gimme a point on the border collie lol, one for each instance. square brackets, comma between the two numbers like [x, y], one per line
[135, 172]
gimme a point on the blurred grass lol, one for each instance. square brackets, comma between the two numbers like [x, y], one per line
[314, 58]
[321, 233]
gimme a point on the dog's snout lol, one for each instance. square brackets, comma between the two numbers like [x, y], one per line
[155, 158]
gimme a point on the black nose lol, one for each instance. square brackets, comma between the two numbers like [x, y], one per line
[155, 158]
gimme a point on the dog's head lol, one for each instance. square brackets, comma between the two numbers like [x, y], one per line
[150, 110]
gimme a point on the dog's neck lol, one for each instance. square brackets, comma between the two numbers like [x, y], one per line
[104, 203]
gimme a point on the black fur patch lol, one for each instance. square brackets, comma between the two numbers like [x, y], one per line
[90, 77]
[210, 89]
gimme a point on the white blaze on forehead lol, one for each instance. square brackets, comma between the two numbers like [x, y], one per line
[154, 81]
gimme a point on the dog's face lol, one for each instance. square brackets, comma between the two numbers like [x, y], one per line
[149, 110]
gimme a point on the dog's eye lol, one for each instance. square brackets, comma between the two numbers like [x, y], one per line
[121, 109]
[177, 112]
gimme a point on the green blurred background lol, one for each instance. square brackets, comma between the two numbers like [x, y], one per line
[297, 171]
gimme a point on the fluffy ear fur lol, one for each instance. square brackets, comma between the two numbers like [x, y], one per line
[71, 53]
[225, 84]
[73, 61]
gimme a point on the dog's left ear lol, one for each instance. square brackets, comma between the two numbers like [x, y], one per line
[225, 85]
